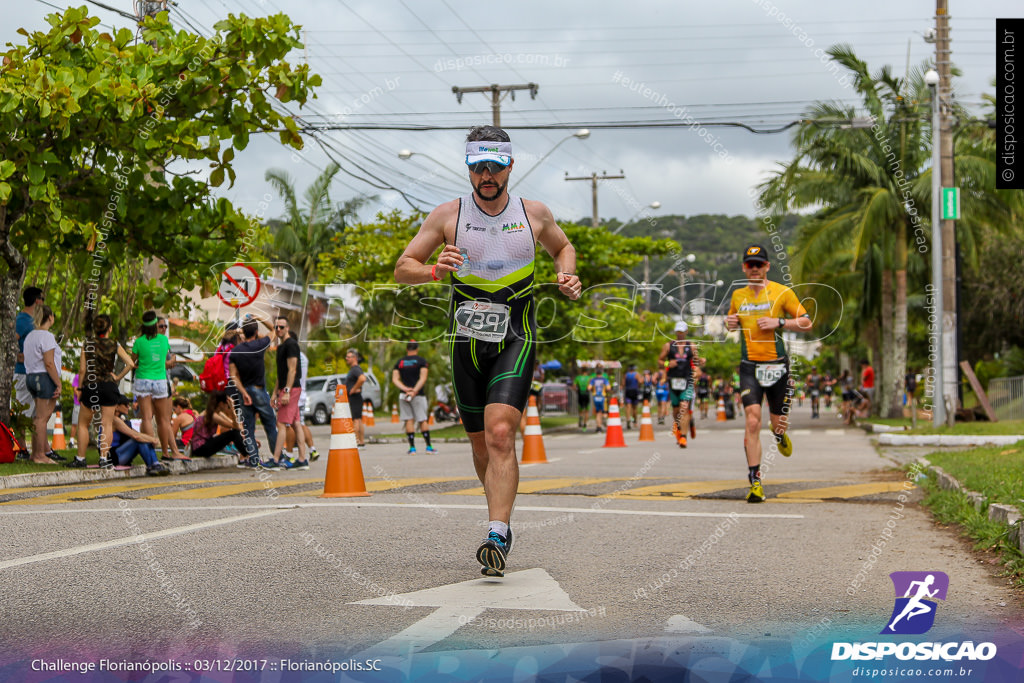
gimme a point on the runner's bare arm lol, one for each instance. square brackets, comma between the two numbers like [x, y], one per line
[412, 268]
[553, 239]
[664, 353]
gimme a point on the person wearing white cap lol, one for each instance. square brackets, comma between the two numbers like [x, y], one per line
[490, 243]
[758, 311]
[679, 358]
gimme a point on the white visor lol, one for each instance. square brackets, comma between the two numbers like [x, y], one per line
[682, 326]
[486, 150]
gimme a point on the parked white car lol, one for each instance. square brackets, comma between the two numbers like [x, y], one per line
[319, 395]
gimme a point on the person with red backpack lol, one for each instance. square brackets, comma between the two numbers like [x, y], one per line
[216, 372]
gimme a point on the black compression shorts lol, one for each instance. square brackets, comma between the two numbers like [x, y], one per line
[491, 372]
[778, 394]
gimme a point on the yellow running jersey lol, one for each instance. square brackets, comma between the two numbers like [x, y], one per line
[774, 301]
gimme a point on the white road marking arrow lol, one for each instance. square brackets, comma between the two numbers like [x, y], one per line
[682, 624]
[460, 603]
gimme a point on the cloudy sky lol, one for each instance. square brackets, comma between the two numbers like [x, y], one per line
[393, 63]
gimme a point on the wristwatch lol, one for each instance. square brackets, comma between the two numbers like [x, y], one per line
[287, 390]
[782, 323]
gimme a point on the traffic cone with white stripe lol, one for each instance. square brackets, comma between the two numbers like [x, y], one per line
[646, 426]
[394, 414]
[344, 471]
[720, 414]
[613, 435]
[368, 420]
[533, 440]
[58, 443]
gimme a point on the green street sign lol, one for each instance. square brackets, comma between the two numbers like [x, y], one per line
[950, 203]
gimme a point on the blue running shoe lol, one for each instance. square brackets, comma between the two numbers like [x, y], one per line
[493, 552]
[412, 451]
[431, 449]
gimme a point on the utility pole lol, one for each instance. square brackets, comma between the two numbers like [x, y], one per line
[950, 355]
[151, 268]
[498, 93]
[148, 8]
[593, 178]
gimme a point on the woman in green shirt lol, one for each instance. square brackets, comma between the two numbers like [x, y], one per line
[151, 351]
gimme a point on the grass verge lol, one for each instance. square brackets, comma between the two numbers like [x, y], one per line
[27, 467]
[953, 508]
[1008, 427]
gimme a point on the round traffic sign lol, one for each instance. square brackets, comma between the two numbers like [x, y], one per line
[239, 285]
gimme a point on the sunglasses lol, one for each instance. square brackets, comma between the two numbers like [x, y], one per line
[161, 327]
[493, 166]
[280, 327]
[755, 264]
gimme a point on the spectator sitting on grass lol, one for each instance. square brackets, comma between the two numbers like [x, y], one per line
[127, 443]
[219, 413]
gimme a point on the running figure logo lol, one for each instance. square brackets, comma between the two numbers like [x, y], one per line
[914, 612]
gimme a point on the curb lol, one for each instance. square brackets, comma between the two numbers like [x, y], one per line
[887, 439]
[997, 512]
[80, 476]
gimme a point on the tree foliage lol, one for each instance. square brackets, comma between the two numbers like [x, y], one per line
[102, 137]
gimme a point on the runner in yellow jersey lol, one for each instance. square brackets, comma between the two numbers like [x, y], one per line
[762, 310]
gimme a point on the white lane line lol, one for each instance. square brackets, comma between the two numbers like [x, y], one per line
[414, 506]
[43, 557]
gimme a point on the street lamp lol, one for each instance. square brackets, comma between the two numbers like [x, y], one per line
[931, 78]
[653, 205]
[581, 134]
[406, 154]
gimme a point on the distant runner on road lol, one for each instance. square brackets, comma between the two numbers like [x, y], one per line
[757, 310]
[490, 242]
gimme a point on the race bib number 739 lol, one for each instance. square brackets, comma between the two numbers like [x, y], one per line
[482, 320]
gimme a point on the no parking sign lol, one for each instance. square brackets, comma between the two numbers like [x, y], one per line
[239, 285]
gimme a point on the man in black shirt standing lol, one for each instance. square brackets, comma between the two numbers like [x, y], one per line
[246, 365]
[410, 376]
[354, 386]
[288, 397]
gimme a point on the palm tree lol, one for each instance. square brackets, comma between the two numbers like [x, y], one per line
[873, 190]
[871, 187]
[304, 233]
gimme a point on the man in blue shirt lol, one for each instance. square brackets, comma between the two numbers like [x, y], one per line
[600, 388]
[23, 324]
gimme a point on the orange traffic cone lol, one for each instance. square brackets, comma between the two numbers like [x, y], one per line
[394, 414]
[368, 420]
[431, 422]
[613, 435]
[58, 443]
[533, 440]
[720, 416]
[646, 426]
[344, 471]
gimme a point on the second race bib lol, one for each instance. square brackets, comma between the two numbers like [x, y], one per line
[768, 374]
[677, 383]
[482, 320]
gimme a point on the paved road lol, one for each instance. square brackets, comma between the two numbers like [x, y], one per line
[644, 542]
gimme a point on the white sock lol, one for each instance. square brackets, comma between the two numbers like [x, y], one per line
[499, 527]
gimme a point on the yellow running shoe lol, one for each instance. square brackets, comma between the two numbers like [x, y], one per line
[785, 445]
[756, 494]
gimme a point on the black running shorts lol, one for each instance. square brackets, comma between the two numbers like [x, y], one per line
[490, 372]
[778, 394]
